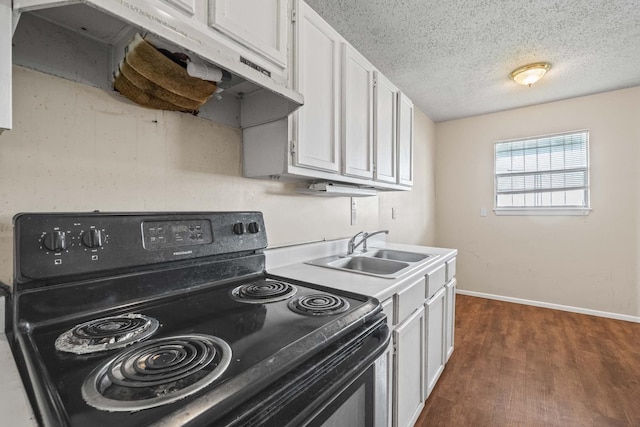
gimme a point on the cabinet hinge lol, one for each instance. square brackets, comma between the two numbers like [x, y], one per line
[374, 168]
[293, 15]
[293, 148]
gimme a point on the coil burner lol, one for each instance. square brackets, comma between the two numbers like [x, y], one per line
[157, 372]
[319, 305]
[106, 333]
[263, 291]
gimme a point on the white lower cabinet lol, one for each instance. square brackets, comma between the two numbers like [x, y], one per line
[435, 280]
[451, 318]
[421, 316]
[408, 340]
[388, 309]
[388, 358]
[435, 314]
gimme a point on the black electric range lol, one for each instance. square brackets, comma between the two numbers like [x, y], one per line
[136, 319]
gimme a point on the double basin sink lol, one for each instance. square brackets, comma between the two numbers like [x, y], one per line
[386, 263]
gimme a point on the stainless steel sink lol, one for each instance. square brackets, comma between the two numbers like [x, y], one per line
[369, 265]
[399, 255]
[363, 265]
[385, 263]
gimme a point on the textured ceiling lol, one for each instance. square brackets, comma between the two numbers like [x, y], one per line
[453, 58]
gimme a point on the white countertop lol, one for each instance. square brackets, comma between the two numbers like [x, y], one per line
[289, 262]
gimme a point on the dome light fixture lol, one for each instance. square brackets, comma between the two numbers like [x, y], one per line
[529, 74]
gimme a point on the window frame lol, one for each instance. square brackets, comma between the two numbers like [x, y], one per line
[543, 210]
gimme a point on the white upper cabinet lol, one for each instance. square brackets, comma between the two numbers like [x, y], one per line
[357, 114]
[6, 33]
[405, 140]
[186, 6]
[344, 132]
[385, 96]
[260, 25]
[317, 75]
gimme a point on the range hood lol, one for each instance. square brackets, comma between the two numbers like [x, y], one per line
[331, 189]
[260, 92]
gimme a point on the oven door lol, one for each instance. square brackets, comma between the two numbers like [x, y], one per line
[362, 403]
[344, 385]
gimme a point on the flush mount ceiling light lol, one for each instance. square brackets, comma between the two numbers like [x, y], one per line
[529, 74]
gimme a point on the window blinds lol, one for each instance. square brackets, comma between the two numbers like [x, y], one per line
[528, 171]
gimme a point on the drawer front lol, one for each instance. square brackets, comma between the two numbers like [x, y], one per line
[387, 308]
[409, 299]
[435, 280]
[451, 269]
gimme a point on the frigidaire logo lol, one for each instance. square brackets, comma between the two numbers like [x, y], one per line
[183, 253]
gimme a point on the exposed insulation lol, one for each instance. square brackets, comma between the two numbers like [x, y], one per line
[149, 78]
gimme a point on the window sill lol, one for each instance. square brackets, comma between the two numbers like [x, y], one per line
[543, 211]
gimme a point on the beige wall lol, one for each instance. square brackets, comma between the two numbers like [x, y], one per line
[415, 210]
[589, 262]
[77, 148]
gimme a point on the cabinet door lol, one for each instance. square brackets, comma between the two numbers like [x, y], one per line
[357, 114]
[6, 34]
[383, 408]
[186, 6]
[317, 73]
[385, 96]
[451, 269]
[387, 308]
[435, 280]
[435, 314]
[261, 25]
[410, 299]
[405, 140]
[408, 379]
[451, 318]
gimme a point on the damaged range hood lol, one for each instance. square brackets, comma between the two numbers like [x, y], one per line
[261, 85]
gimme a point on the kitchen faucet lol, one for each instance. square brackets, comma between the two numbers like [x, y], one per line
[351, 246]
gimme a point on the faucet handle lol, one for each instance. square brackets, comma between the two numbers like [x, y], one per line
[365, 236]
[351, 246]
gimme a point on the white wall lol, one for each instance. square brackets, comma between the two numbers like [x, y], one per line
[78, 148]
[415, 210]
[590, 262]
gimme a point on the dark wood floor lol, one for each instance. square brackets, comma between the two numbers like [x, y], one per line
[517, 365]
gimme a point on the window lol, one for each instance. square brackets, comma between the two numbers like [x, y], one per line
[543, 175]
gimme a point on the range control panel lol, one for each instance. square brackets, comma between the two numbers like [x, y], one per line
[171, 234]
[53, 245]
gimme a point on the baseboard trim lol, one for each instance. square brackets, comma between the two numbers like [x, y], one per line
[625, 317]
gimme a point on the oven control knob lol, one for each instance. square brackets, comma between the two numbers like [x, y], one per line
[238, 228]
[253, 227]
[55, 241]
[93, 238]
